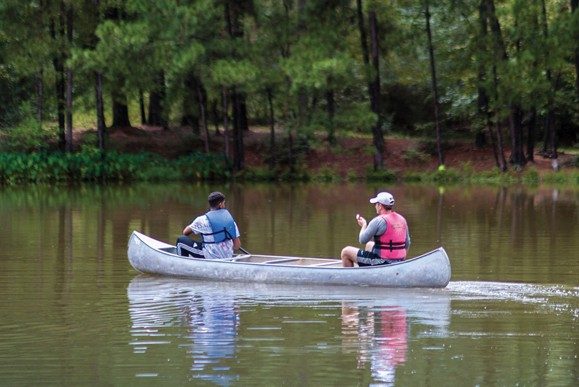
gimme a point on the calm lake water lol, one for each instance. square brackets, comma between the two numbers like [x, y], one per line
[73, 311]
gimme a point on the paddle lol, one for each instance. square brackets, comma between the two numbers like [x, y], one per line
[244, 251]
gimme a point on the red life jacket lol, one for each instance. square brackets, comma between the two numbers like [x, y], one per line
[392, 244]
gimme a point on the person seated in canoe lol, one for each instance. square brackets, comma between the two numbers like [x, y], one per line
[218, 230]
[386, 236]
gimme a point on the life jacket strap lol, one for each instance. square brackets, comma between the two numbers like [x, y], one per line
[391, 246]
[224, 231]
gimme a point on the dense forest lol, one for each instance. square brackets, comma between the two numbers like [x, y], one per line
[503, 73]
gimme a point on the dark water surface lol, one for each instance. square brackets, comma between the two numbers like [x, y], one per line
[73, 311]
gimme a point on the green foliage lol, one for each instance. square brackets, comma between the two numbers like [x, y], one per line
[531, 177]
[112, 167]
[26, 136]
[355, 117]
[298, 55]
[352, 176]
[415, 155]
[381, 175]
[261, 174]
[559, 178]
[326, 175]
[233, 72]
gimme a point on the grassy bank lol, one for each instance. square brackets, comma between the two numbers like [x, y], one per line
[91, 166]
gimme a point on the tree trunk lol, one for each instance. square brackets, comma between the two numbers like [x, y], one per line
[69, 80]
[483, 97]
[499, 132]
[515, 124]
[373, 78]
[100, 112]
[238, 128]
[157, 102]
[190, 112]
[574, 6]
[517, 154]
[40, 98]
[201, 98]
[434, 84]
[235, 30]
[331, 108]
[225, 124]
[531, 130]
[57, 34]
[99, 100]
[363, 36]
[142, 108]
[120, 109]
[549, 138]
[272, 161]
[374, 87]
[550, 147]
[215, 116]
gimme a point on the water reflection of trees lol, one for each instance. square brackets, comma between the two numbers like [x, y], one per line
[489, 229]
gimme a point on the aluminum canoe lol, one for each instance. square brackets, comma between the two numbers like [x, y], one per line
[148, 255]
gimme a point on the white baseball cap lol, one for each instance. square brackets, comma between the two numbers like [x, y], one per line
[384, 198]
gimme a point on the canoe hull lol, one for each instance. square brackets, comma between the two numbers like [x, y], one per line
[430, 270]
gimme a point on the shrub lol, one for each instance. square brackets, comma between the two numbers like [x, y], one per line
[380, 175]
[27, 136]
[415, 155]
[327, 175]
[531, 176]
[91, 165]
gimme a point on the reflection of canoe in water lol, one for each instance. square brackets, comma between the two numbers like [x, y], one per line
[148, 255]
[149, 295]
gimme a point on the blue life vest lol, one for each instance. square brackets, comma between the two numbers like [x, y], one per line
[222, 225]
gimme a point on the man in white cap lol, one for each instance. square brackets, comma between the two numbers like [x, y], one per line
[386, 236]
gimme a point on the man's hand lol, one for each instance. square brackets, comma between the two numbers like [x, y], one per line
[361, 221]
